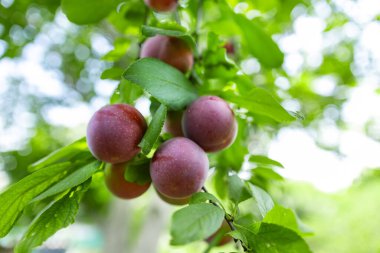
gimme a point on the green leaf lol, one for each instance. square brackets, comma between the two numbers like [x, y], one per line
[238, 191]
[164, 82]
[59, 215]
[113, 73]
[266, 173]
[77, 177]
[76, 150]
[138, 170]
[17, 196]
[260, 101]
[126, 92]
[200, 197]
[195, 222]
[84, 12]
[150, 31]
[285, 217]
[273, 238]
[154, 130]
[263, 200]
[259, 43]
[259, 159]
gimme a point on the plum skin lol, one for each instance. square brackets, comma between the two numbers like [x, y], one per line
[173, 123]
[170, 50]
[114, 132]
[179, 168]
[210, 122]
[224, 228]
[173, 201]
[161, 5]
[115, 182]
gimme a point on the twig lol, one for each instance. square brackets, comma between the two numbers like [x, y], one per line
[230, 224]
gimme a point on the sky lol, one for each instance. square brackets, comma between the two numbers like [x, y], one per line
[295, 148]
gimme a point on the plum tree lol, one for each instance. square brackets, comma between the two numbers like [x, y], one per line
[114, 132]
[221, 233]
[173, 123]
[179, 168]
[210, 122]
[171, 50]
[174, 201]
[161, 5]
[114, 178]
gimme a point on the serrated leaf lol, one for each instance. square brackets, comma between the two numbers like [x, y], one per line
[150, 31]
[77, 150]
[59, 215]
[272, 238]
[17, 196]
[260, 101]
[264, 160]
[195, 222]
[260, 44]
[266, 173]
[164, 82]
[263, 200]
[200, 197]
[154, 130]
[83, 12]
[77, 177]
[138, 171]
[237, 190]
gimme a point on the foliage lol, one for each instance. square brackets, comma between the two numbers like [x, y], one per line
[59, 180]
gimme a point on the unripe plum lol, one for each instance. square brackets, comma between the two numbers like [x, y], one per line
[171, 50]
[161, 5]
[210, 122]
[114, 132]
[114, 178]
[225, 228]
[179, 168]
[173, 123]
[173, 201]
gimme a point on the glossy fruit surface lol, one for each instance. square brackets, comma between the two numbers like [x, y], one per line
[210, 122]
[114, 132]
[170, 50]
[114, 178]
[179, 168]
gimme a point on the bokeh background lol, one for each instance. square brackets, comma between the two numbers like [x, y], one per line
[50, 85]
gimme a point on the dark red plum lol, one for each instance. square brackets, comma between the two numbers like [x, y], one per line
[210, 122]
[179, 168]
[230, 47]
[114, 132]
[171, 50]
[172, 201]
[161, 5]
[225, 228]
[173, 123]
[114, 178]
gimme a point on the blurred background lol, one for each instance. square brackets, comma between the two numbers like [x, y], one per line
[50, 85]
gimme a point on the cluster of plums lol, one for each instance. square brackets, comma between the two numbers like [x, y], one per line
[179, 167]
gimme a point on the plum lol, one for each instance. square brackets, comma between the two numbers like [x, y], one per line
[173, 123]
[114, 132]
[210, 122]
[161, 5]
[114, 178]
[171, 50]
[224, 228]
[173, 201]
[179, 168]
